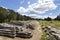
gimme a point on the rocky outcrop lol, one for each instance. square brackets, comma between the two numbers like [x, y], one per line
[36, 33]
[16, 29]
[7, 30]
[52, 32]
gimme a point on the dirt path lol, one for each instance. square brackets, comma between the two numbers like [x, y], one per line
[36, 33]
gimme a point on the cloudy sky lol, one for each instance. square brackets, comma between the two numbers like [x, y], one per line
[33, 8]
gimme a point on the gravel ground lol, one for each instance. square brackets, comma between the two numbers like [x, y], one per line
[36, 33]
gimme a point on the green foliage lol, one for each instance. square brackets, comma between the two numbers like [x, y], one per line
[48, 19]
[6, 15]
[58, 17]
[44, 35]
[11, 15]
[53, 23]
[3, 13]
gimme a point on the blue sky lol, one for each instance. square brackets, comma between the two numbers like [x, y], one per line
[33, 8]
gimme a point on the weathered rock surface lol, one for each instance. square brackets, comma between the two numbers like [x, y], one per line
[29, 28]
[53, 32]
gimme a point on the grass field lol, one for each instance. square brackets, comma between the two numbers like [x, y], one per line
[53, 23]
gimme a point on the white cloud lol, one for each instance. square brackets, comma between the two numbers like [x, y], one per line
[52, 17]
[40, 7]
[30, 15]
[22, 9]
[45, 16]
[4, 7]
[28, 2]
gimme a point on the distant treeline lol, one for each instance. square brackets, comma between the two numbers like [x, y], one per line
[6, 15]
[49, 19]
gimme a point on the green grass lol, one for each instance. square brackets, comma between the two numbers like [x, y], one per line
[53, 23]
[43, 36]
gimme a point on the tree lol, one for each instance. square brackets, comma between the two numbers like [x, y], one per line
[3, 13]
[57, 18]
[8, 15]
[48, 19]
[11, 15]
